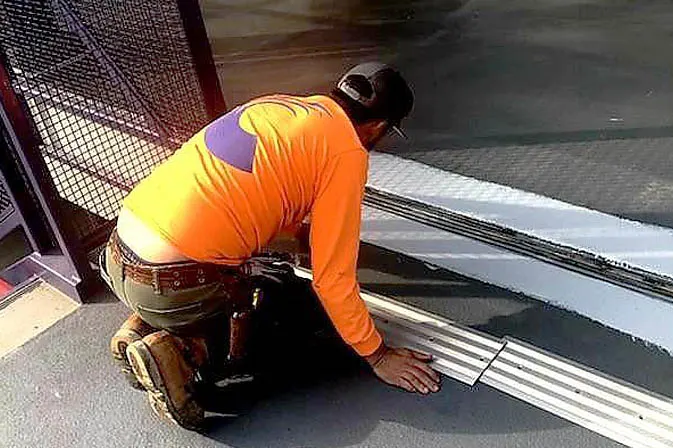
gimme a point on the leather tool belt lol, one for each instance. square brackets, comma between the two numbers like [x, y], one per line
[177, 276]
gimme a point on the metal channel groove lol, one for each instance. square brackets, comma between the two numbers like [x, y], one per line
[616, 409]
[585, 263]
[608, 406]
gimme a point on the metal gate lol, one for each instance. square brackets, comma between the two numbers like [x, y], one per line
[7, 216]
[110, 89]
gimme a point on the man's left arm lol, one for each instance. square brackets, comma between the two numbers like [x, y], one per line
[335, 240]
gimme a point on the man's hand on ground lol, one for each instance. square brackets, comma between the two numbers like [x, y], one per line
[404, 368]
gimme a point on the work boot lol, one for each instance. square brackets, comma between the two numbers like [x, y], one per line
[133, 329]
[167, 365]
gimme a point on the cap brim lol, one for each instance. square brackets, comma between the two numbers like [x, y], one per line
[399, 132]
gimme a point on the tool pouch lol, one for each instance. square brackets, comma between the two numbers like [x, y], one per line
[240, 325]
[240, 329]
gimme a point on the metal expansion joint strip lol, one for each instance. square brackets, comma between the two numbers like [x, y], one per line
[608, 406]
[459, 352]
[576, 260]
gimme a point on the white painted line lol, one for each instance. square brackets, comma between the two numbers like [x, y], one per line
[634, 313]
[621, 241]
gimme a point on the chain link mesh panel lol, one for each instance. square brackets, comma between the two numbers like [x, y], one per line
[112, 88]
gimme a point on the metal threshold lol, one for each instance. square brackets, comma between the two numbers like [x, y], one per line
[598, 402]
[573, 259]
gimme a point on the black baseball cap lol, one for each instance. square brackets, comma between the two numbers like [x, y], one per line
[380, 90]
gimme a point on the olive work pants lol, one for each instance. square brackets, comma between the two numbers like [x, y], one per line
[186, 311]
[290, 323]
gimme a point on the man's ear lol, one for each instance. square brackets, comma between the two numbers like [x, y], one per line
[371, 132]
[377, 128]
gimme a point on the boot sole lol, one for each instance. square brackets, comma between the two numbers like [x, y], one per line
[147, 372]
[120, 358]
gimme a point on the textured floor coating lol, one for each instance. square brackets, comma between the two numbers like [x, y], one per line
[63, 383]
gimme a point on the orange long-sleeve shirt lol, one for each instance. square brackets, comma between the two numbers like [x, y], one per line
[260, 168]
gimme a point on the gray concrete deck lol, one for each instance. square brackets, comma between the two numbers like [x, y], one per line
[61, 389]
[548, 85]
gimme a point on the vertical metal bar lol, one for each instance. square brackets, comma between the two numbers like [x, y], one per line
[199, 46]
[26, 202]
[53, 236]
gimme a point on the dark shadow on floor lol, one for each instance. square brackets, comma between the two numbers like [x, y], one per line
[13, 247]
[102, 295]
[330, 398]
[350, 411]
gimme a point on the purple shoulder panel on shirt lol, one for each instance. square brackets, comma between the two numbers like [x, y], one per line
[230, 143]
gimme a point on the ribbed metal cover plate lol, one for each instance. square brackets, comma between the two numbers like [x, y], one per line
[459, 353]
[616, 409]
[608, 406]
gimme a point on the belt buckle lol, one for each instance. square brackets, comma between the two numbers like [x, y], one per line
[155, 281]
